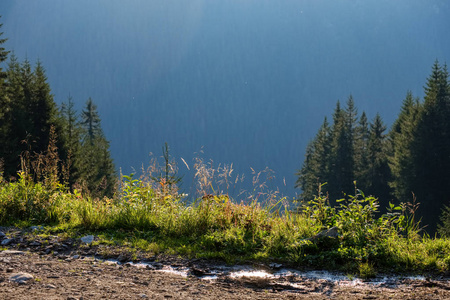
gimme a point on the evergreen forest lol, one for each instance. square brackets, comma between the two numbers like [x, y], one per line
[37, 136]
[408, 164]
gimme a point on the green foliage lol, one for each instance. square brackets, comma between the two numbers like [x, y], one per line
[216, 227]
[444, 227]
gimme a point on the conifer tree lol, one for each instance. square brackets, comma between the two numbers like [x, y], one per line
[42, 110]
[432, 161]
[378, 168]
[96, 166]
[71, 136]
[91, 121]
[315, 167]
[361, 153]
[341, 163]
[5, 106]
[403, 152]
[15, 120]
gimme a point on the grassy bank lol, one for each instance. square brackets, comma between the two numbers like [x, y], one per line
[155, 218]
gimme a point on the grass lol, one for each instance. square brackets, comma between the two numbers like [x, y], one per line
[150, 215]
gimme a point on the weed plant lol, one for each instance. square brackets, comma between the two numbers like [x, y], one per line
[150, 214]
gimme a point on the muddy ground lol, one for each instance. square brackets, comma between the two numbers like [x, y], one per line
[68, 269]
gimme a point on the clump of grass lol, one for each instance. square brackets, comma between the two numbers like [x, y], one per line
[366, 270]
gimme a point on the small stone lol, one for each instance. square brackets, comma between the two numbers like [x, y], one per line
[88, 239]
[122, 258]
[11, 252]
[158, 266]
[2, 235]
[275, 266]
[36, 228]
[9, 270]
[50, 286]
[35, 244]
[197, 272]
[20, 278]
[76, 256]
[143, 296]
[6, 242]
[331, 233]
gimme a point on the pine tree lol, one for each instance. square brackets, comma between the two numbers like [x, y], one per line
[403, 152]
[315, 167]
[14, 119]
[3, 56]
[71, 136]
[361, 153]
[42, 110]
[341, 163]
[96, 166]
[432, 162]
[91, 121]
[378, 168]
[5, 107]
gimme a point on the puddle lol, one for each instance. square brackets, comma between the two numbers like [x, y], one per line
[254, 273]
[295, 277]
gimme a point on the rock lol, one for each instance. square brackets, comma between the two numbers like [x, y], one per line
[37, 228]
[275, 266]
[143, 296]
[50, 286]
[20, 278]
[88, 239]
[122, 258]
[2, 235]
[332, 233]
[11, 252]
[76, 256]
[158, 266]
[197, 272]
[6, 242]
[35, 244]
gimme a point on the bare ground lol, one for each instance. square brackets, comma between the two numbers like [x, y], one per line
[69, 274]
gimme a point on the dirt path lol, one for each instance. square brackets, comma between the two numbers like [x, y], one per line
[56, 278]
[65, 270]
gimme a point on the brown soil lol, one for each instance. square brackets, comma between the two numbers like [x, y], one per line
[60, 275]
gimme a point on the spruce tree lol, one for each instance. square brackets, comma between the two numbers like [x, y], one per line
[361, 153]
[42, 110]
[15, 119]
[315, 167]
[432, 161]
[5, 107]
[71, 136]
[402, 149]
[96, 166]
[341, 163]
[378, 167]
[91, 121]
